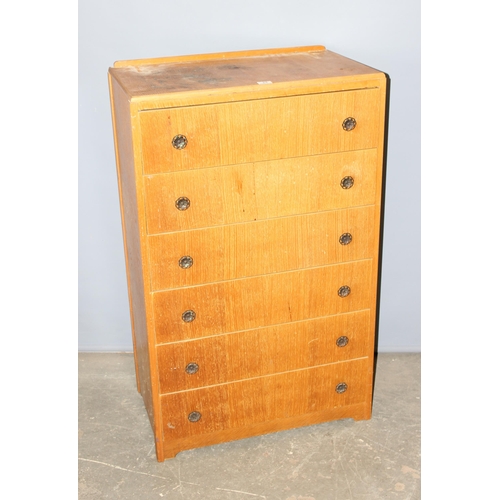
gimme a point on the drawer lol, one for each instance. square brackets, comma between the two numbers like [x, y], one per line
[264, 399]
[264, 351]
[243, 304]
[257, 248]
[258, 130]
[262, 190]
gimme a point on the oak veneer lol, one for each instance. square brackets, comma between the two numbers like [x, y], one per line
[260, 190]
[242, 250]
[284, 127]
[271, 322]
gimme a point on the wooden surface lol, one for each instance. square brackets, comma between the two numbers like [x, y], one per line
[262, 169]
[260, 190]
[263, 351]
[197, 58]
[268, 129]
[128, 205]
[131, 206]
[271, 299]
[215, 71]
[359, 411]
[247, 402]
[269, 246]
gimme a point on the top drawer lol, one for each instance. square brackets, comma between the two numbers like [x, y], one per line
[257, 130]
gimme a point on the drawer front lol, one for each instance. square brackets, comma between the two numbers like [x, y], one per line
[265, 399]
[265, 351]
[262, 190]
[258, 130]
[261, 301]
[264, 247]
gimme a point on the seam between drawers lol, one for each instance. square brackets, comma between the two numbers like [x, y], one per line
[253, 221]
[261, 327]
[265, 376]
[163, 290]
[256, 161]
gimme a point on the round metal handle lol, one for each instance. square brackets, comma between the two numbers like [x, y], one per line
[179, 141]
[188, 316]
[182, 203]
[194, 416]
[344, 291]
[342, 387]
[185, 262]
[342, 341]
[345, 239]
[349, 124]
[192, 368]
[347, 182]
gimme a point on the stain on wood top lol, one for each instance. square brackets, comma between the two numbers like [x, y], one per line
[192, 74]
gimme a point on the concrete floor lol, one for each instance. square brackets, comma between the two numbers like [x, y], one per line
[342, 460]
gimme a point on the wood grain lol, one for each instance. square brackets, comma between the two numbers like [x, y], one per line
[262, 168]
[213, 72]
[128, 206]
[134, 232]
[248, 303]
[267, 129]
[264, 247]
[360, 411]
[198, 58]
[263, 351]
[244, 403]
[260, 190]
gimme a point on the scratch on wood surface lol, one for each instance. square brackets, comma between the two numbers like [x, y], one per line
[243, 492]
[121, 468]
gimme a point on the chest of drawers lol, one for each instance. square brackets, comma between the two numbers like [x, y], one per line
[251, 188]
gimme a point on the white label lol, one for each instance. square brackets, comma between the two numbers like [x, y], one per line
[264, 83]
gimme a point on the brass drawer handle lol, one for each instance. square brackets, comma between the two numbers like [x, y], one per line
[344, 291]
[185, 262]
[342, 387]
[179, 141]
[194, 416]
[342, 341]
[349, 124]
[192, 368]
[188, 316]
[345, 239]
[182, 203]
[347, 182]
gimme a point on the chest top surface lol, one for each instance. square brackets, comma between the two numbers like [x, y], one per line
[147, 77]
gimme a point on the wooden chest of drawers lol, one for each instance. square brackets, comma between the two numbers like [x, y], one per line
[251, 195]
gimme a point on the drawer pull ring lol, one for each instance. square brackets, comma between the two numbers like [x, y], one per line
[342, 341]
[344, 291]
[179, 141]
[182, 203]
[192, 368]
[349, 124]
[188, 316]
[342, 387]
[185, 262]
[194, 416]
[347, 182]
[345, 239]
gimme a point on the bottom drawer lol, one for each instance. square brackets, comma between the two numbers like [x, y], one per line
[246, 403]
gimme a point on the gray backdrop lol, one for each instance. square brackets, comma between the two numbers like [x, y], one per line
[384, 34]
